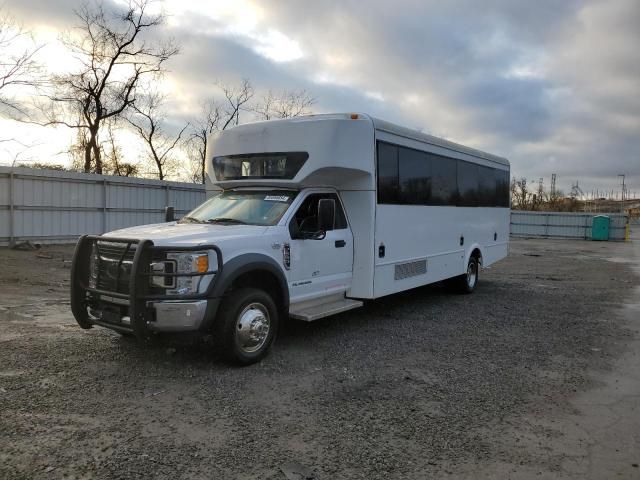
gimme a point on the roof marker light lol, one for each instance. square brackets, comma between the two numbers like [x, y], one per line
[354, 116]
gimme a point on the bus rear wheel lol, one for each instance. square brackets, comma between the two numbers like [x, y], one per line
[466, 283]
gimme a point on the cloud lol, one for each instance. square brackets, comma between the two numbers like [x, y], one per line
[554, 86]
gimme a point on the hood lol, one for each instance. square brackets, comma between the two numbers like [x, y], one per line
[187, 234]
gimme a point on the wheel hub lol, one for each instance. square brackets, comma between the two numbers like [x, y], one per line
[472, 274]
[252, 327]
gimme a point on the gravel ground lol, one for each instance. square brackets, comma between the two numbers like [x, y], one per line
[422, 384]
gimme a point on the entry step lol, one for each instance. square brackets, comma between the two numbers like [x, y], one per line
[315, 312]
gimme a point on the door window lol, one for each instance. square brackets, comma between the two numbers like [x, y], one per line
[306, 217]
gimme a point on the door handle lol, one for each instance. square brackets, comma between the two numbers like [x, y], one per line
[340, 243]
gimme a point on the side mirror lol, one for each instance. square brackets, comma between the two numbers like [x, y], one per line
[168, 214]
[326, 214]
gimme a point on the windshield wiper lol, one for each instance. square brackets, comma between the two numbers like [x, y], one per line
[190, 220]
[226, 220]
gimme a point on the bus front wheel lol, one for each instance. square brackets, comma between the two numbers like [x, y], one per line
[247, 325]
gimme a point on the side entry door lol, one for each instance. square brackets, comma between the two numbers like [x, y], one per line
[319, 266]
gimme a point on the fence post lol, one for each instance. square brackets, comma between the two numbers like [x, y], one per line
[104, 206]
[586, 226]
[546, 225]
[11, 210]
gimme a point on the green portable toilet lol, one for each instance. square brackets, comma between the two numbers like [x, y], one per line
[600, 228]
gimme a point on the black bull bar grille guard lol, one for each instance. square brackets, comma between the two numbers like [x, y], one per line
[139, 293]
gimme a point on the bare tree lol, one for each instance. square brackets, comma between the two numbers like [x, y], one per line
[284, 104]
[113, 58]
[220, 116]
[147, 122]
[237, 98]
[113, 158]
[113, 162]
[44, 166]
[520, 193]
[18, 67]
[215, 117]
[203, 126]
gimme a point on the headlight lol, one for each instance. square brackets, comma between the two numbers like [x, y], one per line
[186, 262]
[93, 267]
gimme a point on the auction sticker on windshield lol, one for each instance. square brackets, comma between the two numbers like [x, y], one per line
[276, 198]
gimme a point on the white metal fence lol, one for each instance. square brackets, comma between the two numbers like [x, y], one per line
[563, 225]
[47, 206]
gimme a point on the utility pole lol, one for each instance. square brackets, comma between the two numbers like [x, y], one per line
[623, 187]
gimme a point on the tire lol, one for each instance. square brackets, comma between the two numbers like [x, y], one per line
[246, 326]
[467, 282]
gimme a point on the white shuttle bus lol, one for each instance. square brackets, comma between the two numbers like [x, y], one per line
[305, 218]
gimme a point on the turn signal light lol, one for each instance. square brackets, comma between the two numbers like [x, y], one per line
[202, 263]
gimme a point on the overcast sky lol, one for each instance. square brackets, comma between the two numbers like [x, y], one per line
[552, 85]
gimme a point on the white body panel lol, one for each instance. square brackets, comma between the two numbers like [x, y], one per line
[342, 156]
[422, 244]
[413, 233]
[433, 233]
[318, 268]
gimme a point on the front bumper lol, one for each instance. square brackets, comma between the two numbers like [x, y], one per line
[139, 310]
[170, 316]
[179, 316]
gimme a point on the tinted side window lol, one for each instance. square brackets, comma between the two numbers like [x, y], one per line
[486, 186]
[414, 173]
[413, 177]
[444, 188]
[503, 193]
[387, 173]
[467, 184]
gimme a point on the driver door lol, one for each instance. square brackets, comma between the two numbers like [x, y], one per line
[320, 267]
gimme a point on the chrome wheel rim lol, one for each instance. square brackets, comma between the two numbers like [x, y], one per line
[472, 274]
[252, 327]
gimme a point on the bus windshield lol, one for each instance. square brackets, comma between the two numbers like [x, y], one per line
[240, 207]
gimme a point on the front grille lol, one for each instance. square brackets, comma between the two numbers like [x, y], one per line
[114, 266]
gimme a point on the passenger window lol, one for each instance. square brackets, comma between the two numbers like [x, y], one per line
[413, 177]
[468, 184]
[414, 173]
[306, 217]
[486, 187]
[502, 188]
[444, 188]
[387, 173]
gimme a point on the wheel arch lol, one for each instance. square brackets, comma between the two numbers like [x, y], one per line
[254, 270]
[474, 251]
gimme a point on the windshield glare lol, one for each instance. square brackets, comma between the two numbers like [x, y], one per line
[243, 207]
